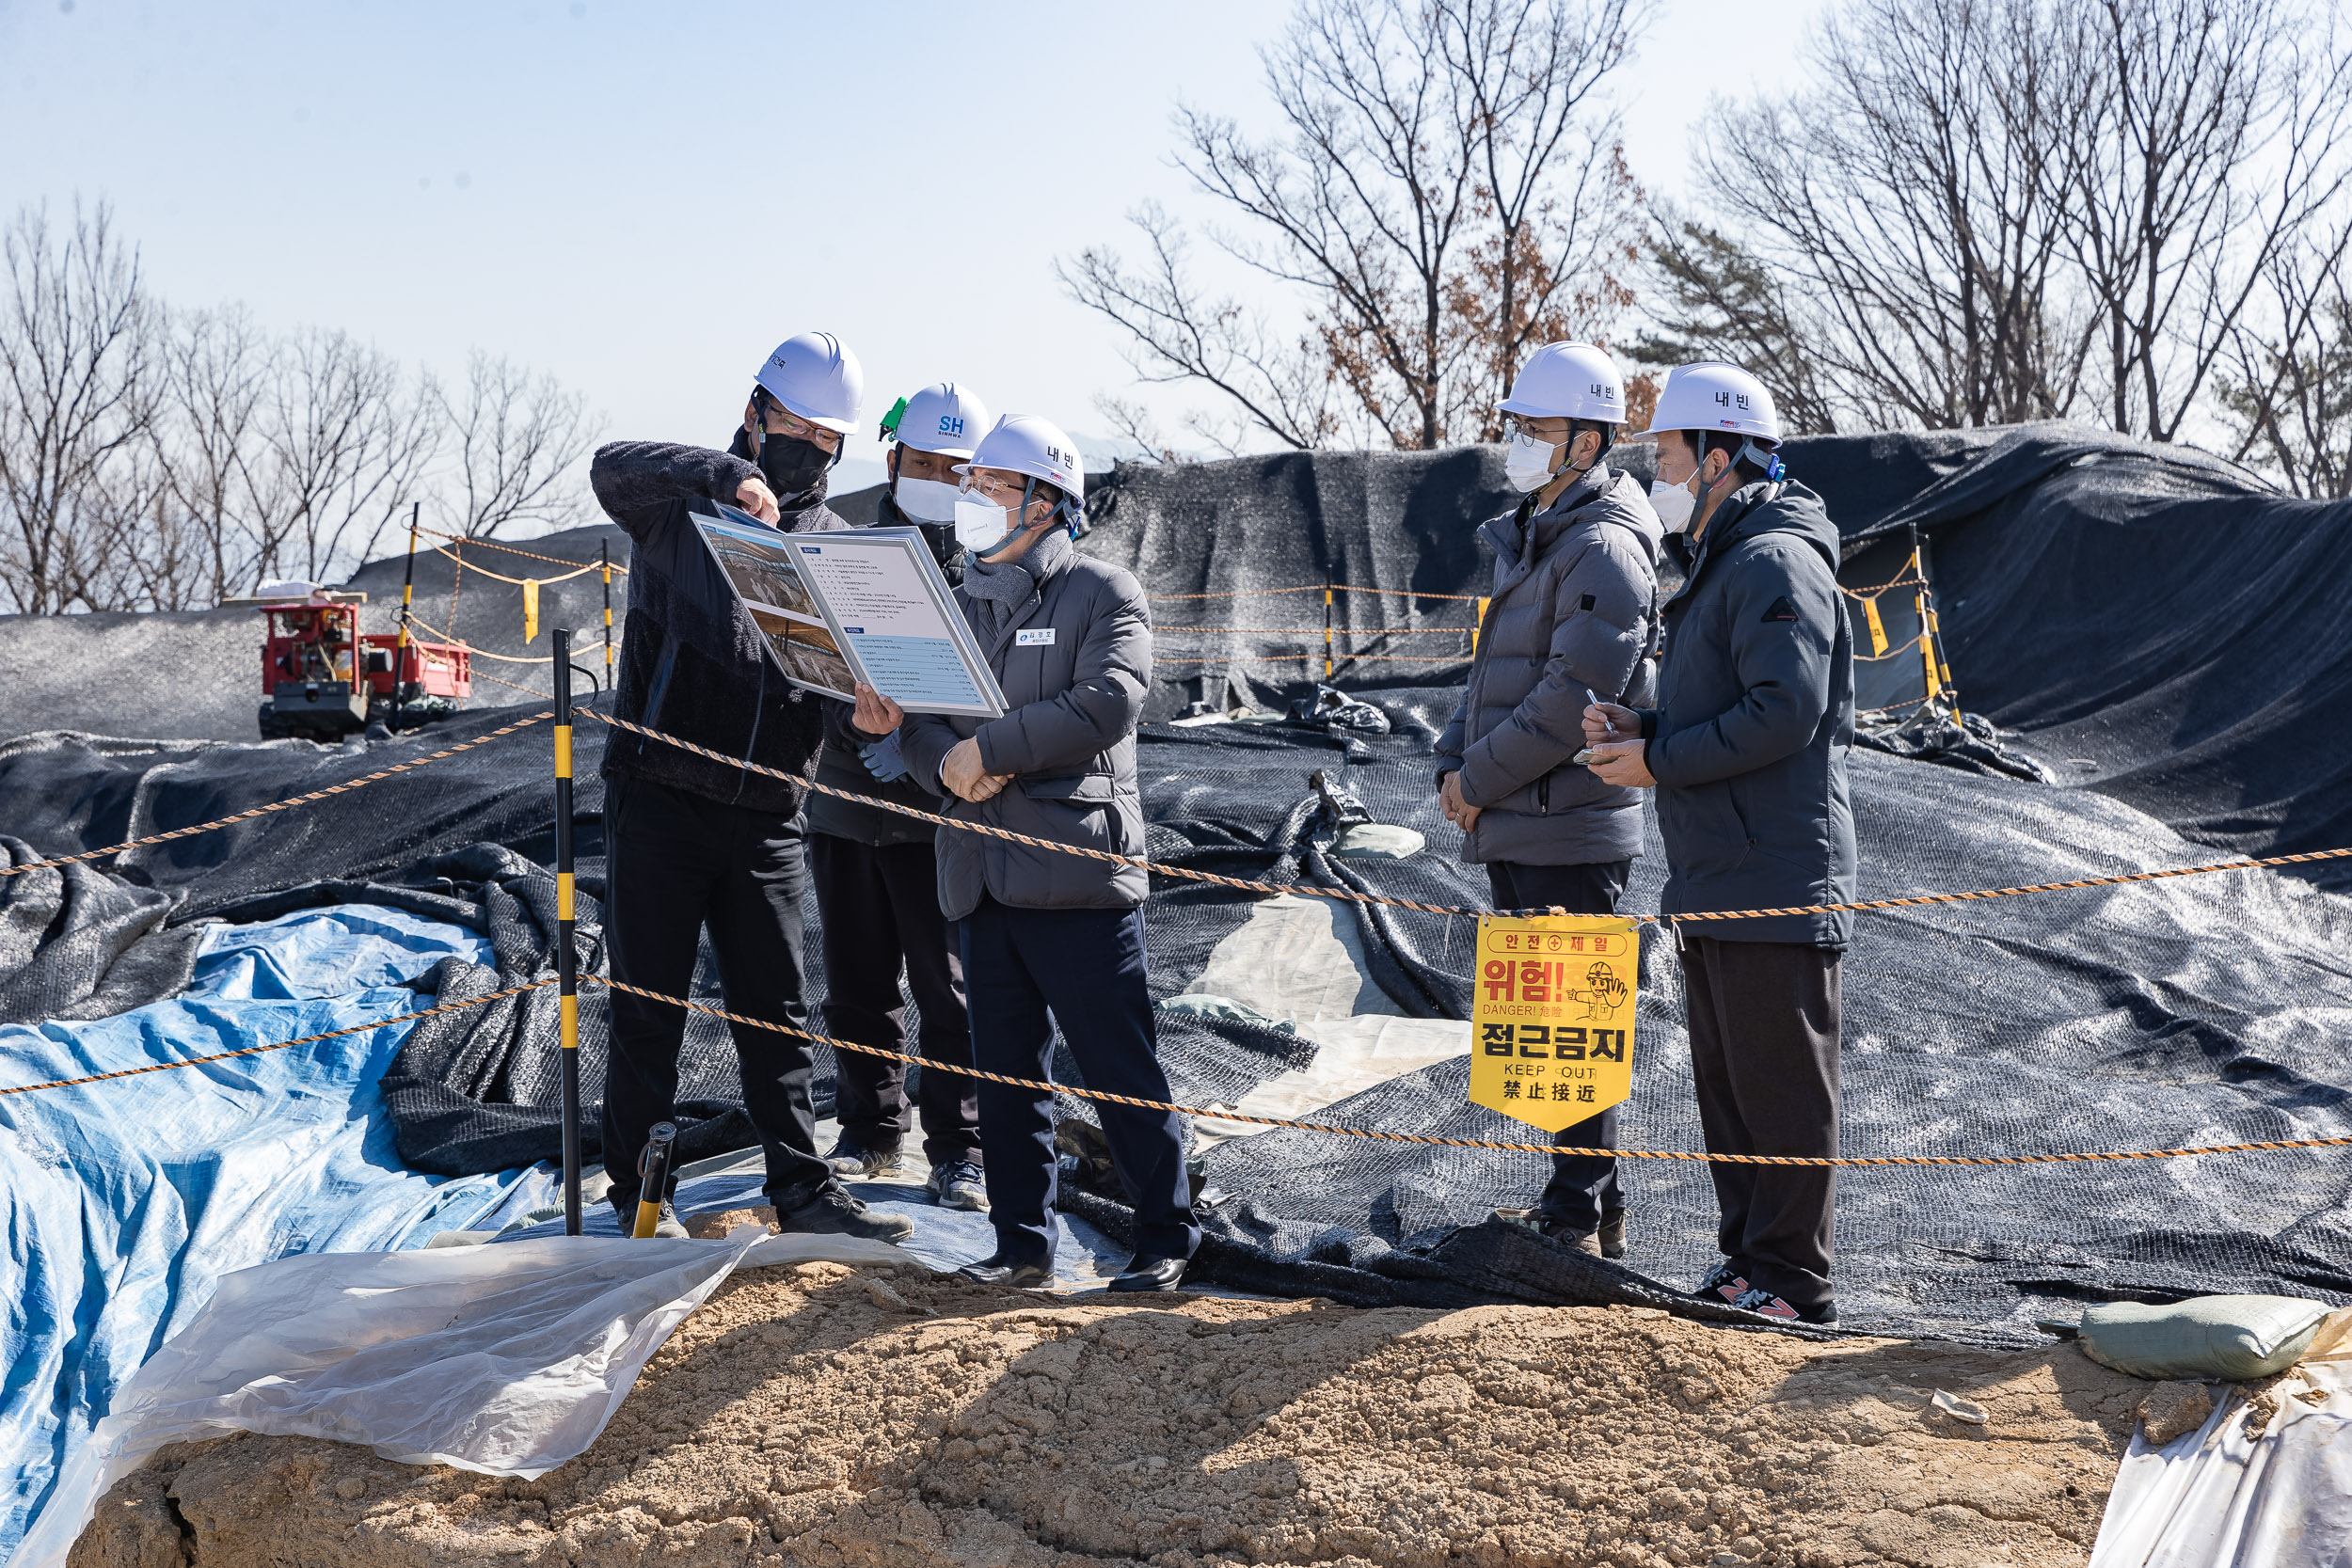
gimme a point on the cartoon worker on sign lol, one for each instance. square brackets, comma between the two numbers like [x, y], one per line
[1552, 1024]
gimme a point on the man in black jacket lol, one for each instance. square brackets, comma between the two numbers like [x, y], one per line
[878, 876]
[690, 843]
[1747, 749]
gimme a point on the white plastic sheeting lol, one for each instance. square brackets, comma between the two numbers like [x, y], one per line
[2219, 1498]
[1301, 961]
[506, 1360]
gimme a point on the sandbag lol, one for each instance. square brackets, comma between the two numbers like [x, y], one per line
[2233, 1337]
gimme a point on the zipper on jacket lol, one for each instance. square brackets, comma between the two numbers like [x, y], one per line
[1543, 795]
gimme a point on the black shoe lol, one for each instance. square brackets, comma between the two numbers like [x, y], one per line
[853, 1162]
[1611, 1234]
[834, 1212]
[1151, 1274]
[1766, 1304]
[998, 1269]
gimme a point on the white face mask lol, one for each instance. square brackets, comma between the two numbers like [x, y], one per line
[927, 501]
[1528, 462]
[1674, 503]
[979, 526]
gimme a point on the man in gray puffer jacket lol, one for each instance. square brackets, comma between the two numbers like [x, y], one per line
[1747, 749]
[1571, 619]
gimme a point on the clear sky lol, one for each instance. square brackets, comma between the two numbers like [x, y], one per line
[642, 199]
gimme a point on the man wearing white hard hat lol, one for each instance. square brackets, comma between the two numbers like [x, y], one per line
[1747, 749]
[1572, 619]
[1048, 937]
[694, 845]
[877, 876]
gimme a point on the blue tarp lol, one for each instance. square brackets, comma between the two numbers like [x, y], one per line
[126, 1201]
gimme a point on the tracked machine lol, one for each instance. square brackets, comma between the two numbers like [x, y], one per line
[323, 680]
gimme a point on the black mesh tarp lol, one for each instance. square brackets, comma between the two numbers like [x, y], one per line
[2184, 1012]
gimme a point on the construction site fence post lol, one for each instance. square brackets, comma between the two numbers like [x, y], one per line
[567, 956]
[604, 559]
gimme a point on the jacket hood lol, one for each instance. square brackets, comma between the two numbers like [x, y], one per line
[1763, 508]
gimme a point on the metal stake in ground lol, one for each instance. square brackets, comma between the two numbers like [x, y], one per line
[408, 592]
[604, 559]
[566, 957]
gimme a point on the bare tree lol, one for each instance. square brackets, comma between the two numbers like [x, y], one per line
[75, 343]
[1279, 386]
[1416, 200]
[348, 443]
[1554, 261]
[2215, 135]
[215, 369]
[1903, 216]
[2287, 390]
[516, 441]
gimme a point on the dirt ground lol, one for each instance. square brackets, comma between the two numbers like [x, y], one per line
[821, 1417]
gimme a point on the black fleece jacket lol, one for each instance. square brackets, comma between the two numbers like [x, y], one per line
[693, 664]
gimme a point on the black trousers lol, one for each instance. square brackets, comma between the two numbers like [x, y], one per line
[1583, 1187]
[1764, 1052]
[881, 911]
[675, 863]
[1085, 968]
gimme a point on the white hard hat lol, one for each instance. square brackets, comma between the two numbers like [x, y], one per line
[1569, 381]
[1711, 395]
[1026, 444]
[816, 377]
[943, 418]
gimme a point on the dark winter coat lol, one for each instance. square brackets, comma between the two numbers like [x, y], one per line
[1068, 736]
[843, 767]
[1754, 722]
[1574, 610]
[693, 664]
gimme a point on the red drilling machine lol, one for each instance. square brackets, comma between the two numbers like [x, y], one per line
[323, 680]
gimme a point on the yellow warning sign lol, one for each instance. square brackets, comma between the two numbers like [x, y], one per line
[1552, 1026]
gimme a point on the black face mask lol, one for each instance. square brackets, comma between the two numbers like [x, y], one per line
[792, 465]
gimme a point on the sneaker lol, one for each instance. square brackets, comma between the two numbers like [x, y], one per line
[834, 1212]
[1590, 1242]
[854, 1163]
[666, 1228]
[1723, 1282]
[1766, 1304]
[959, 1184]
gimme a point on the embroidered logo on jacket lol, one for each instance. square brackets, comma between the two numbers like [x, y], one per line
[1782, 611]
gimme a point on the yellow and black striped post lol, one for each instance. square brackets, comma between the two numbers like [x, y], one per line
[566, 959]
[1327, 632]
[604, 559]
[408, 592]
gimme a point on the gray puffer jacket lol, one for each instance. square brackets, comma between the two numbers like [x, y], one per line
[1753, 723]
[1573, 609]
[1075, 661]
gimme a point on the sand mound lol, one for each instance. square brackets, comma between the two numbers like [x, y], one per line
[823, 1416]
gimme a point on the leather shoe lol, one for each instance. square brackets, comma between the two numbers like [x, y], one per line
[998, 1269]
[1152, 1273]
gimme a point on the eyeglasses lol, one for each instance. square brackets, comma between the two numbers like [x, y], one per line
[1555, 431]
[781, 420]
[1005, 488]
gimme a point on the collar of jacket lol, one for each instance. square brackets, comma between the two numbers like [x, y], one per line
[1522, 536]
[1763, 507]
